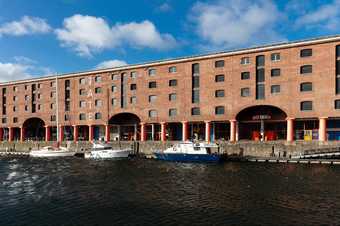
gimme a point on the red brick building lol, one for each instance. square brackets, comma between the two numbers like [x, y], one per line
[287, 91]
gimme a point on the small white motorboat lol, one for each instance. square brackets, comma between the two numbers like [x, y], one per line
[50, 151]
[105, 151]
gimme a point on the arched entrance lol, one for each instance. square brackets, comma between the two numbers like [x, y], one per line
[34, 129]
[124, 126]
[263, 122]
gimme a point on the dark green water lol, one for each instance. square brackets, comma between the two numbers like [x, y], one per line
[74, 191]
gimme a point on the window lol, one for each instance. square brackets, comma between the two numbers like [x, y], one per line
[260, 61]
[219, 63]
[67, 83]
[67, 105]
[195, 96]
[98, 103]
[82, 81]
[152, 113]
[98, 90]
[219, 110]
[245, 75]
[275, 72]
[152, 85]
[133, 86]
[52, 84]
[82, 116]
[82, 103]
[195, 111]
[275, 57]
[39, 86]
[172, 96]
[195, 68]
[306, 106]
[52, 94]
[15, 98]
[98, 79]
[15, 120]
[26, 108]
[82, 92]
[4, 120]
[133, 74]
[98, 115]
[26, 87]
[306, 52]
[260, 92]
[195, 82]
[14, 108]
[53, 118]
[152, 72]
[52, 106]
[114, 76]
[152, 98]
[219, 78]
[113, 101]
[172, 112]
[15, 88]
[337, 104]
[133, 100]
[172, 69]
[306, 69]
[337, 51]
[39, 95]
[245, 60]
[275, 89]
[173, 82]
[114, 88]
[67, 117]
[39, 106]
[260, 75]
[306, 86]
[219, 93]
[245, 92]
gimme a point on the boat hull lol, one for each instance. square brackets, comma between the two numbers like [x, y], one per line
[107, 154]
[46, 154]
[181, 157]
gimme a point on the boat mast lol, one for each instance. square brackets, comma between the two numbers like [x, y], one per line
[57, 108]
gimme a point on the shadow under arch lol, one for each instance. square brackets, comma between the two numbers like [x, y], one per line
[124, 126]
[34, 129]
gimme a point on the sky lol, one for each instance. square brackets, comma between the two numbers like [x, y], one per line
[39, 37]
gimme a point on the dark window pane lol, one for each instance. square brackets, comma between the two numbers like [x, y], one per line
[172, 112]
[195, 69]
[275, 57]
[245, 75]
[338, 67]
[195, 111]
[275, 88]
[275, 72]
[260, 75]
[195, 81]
[337, 85]
[173, 82]
[219, 93]
[195, 96]
[306, 106]
[219, 110]
[338, 51]
[133, 86]
[245, 92]
[219, 63]
[152, 84]
[306, 53]
[337, 104]
[219, 78]
[260, 61]
[260, 91]
[306, 86]
[306, 69]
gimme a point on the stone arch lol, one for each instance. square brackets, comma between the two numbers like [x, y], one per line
[124, 126]
[124, 119]
[34, 129]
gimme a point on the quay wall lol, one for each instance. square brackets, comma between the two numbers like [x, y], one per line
[238, 149]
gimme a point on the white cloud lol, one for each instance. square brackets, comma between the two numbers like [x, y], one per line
[110, 64]
[326, 16]
[88, 35]
[27, 25]
[165, 7]
[235, 23]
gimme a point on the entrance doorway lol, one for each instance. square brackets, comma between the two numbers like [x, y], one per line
[124, 126]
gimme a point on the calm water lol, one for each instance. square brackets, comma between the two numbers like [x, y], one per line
[74, 191]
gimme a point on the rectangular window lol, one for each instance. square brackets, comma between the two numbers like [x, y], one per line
[219, 93]
[172, 69]
[98, 115]
[306, 69]
[219, 63]
[4, 120]
[98, 90]
[67, 117]
[67, 105]
[195, 68]
[195, 82]
[172, 112]
[219, 78]
[172, 96]
[260, 93]
[114, 88]
[152, 113]
[338, 67]
[219, 110]
[173, 82]
[152, 98]
[245, 75]
[306, 106]
[15, 120]
[275, 89]
[67, 83]
[114, 101]
[133, 86]
[275, 56]
[195, 111]
[195, 96]
[115, 76]
[245, 92]
[98, 103]
[260, 75]
[337, 85]
[245, 60]
[98, 79]
[133, 100]
[82, 92]
[82, 81]
[82, 116]
[152, 85]
[260, 61]
[338, 51]
[82, 103]
[337, 104]
[152, 72]
[53, 118]
[275, 72]
[306, 86]
[133, 74]
[306, 52]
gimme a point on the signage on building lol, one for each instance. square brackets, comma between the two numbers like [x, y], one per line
[261, 117]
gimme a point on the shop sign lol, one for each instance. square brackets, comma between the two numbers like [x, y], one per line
[261, 117]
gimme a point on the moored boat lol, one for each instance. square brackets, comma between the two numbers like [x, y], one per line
[105, 151]
[50, 151]
[190, 152]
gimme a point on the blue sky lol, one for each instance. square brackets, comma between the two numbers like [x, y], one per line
[39, 38]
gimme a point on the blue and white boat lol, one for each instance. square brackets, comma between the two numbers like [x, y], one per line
[190, 152]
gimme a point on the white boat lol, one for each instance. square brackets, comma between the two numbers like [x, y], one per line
[105, 151]
[50, 151]
[190, 152]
